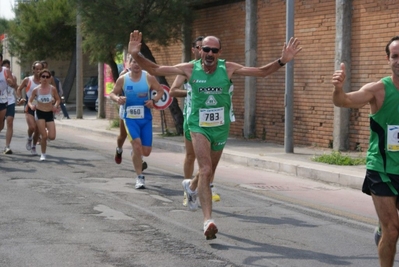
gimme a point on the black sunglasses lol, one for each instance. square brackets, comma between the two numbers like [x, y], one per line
[206, 49]
[45, 77]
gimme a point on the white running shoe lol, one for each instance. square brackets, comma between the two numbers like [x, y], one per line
[191, 196]
[210, 229]
[33, 151]
[28, 143]
[140, 182]
[7, 150]
[43, 157]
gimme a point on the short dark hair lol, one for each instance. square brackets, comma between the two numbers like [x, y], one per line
[6, 61]
[389, 43]
[45, 71]
[1, 56]
[198, 39]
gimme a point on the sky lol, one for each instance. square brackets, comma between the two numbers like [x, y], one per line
[6, 9]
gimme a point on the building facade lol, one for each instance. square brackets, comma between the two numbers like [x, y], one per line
[374, 23]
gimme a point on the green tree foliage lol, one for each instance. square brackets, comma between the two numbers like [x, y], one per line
[3, 25]
[107, 24]
[3, 29]
[43, 29]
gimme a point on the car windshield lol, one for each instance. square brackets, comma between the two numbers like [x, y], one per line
[92, 82]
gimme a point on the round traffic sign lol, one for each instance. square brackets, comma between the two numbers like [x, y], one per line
[165, 100]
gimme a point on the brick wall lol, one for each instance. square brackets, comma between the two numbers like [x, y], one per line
[373, 24]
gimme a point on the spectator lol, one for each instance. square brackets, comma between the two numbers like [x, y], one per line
[58, 85]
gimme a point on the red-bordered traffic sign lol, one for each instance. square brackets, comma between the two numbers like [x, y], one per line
[166, 99]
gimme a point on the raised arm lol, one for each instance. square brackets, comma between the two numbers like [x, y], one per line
[151, 67]
[288, 53]
[11, 79]
[176, 90]
[355, 99]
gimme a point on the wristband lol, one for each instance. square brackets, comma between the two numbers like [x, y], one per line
[280, 63]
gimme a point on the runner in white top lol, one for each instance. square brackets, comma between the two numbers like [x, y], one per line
[5, 81]
[29, 83]
[10, 112]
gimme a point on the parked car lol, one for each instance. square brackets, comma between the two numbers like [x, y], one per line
[90, 93]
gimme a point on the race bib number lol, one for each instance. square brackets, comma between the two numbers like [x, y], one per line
[44, 99]
[393, 138]
[211, 117]
[135, 112]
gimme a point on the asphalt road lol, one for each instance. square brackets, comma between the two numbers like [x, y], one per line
[79, 208]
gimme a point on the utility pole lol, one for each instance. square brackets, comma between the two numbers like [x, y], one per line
[251, 42]
[343, 36]
[101, 98]
[79, 67]
[289, 84]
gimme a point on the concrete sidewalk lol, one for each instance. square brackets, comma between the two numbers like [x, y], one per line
[248, 153]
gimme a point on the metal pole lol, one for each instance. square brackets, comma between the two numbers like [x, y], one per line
[79, 68]
[289, 84]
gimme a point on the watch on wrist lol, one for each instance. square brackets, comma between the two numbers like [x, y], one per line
[280, 63]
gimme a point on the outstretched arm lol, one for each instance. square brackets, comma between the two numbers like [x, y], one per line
[288, 53]
[354, 99]
[151, 67]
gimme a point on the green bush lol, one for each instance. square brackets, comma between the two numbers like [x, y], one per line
[114, 123]
[337, 158]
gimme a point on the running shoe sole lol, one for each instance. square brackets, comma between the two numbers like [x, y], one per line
[211, 231]
[185, 201]
[118, 158]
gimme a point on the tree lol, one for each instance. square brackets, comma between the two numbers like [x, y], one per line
[107, 24]
[4, 25]
[45, 29]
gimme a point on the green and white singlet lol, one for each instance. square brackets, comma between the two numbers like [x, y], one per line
[210, 107]
[383, 151]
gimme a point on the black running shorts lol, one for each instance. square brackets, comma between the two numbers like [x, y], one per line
[380, 184]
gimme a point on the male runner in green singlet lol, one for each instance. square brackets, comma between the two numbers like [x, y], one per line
[209, 115]
[177, 91]
[382, 175]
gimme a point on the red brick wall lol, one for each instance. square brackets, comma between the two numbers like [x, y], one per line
[171, 55]
[373, 24]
